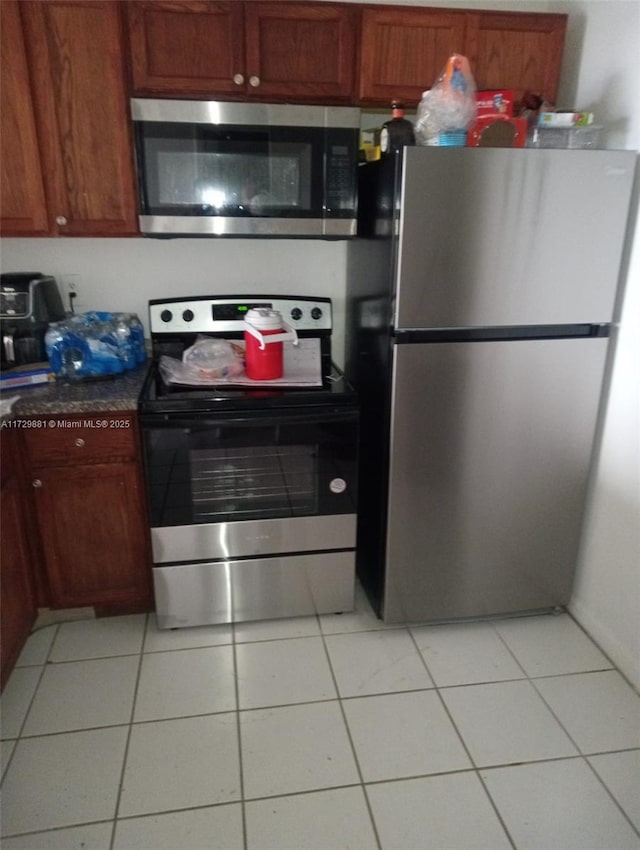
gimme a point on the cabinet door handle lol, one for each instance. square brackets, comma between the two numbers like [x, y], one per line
[61, 220]
[36, 482]
[254, 81]
[238, 79]
[79, 442]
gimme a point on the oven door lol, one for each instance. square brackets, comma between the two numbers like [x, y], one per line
[252, 515]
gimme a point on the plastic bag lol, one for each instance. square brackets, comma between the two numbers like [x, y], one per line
[215, 355]
[91, 345]
[450, 104]
[207, 361]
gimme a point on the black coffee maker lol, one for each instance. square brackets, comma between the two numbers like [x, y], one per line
[28, 302]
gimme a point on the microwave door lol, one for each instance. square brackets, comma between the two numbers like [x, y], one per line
[204, 179]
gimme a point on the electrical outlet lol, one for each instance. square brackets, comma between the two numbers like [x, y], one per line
[71, 283]
[73, 287]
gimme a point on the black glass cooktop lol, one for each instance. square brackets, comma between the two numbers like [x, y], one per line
[158, 397]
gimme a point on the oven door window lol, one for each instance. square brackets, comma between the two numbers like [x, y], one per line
[250, 481]
[196, 169]
[221, 471]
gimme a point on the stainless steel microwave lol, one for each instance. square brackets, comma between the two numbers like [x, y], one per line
[207, 168]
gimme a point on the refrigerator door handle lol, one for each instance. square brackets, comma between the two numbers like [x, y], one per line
[405, 336]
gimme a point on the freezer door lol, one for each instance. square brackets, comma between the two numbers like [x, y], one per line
[510, 237]
[490, 451]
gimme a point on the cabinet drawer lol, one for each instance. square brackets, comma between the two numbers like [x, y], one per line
[82, 439]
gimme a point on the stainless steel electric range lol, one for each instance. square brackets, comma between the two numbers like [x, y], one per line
[252, 490]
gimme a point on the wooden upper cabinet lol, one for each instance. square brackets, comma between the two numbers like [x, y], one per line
[514, 50]
[181, 46]
[405, 49]
[22, 200]
[251, 50]
[304, 51]
[76, 61]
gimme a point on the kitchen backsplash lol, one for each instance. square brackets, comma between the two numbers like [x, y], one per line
[123, 274]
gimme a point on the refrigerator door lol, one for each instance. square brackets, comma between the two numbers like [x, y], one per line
[492, 236]
[490, 451]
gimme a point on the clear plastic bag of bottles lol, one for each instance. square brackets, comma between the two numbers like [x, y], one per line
[95, 344]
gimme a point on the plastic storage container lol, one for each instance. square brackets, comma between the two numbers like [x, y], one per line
[565, 137]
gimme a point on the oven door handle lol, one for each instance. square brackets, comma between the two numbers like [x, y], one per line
[252, 419]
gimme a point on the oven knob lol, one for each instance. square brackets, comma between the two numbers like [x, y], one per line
[316, 313]
[296, 313]
[166, 315]
[188, 315]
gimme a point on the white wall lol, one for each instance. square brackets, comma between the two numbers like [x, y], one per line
[606, 598]
[124, 274]
[600, 72]
[606, 595]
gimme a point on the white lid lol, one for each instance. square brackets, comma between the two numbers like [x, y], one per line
[264, 319]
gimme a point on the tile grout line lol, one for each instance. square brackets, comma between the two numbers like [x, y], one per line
[612, 796]
[583, 756]
[306, 792]
[43, 668]
[476, 769]
[129, 732]
[362, 784]
[236, 685]
[19, 736]
[614, 666]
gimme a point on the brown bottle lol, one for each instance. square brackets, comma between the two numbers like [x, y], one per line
[397, 132]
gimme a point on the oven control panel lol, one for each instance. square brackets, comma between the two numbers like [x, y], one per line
[220, 315]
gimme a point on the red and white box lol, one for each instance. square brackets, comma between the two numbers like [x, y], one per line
[495, 102]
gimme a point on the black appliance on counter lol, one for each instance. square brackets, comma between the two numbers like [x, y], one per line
[28, 302]
[252, 491]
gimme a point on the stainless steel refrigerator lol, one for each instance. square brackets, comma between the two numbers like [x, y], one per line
[479, 308]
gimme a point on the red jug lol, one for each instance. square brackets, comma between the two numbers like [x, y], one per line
[263, 337]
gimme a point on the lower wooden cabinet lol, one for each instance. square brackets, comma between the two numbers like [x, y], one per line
[90, 511]
[91, 524]
[17, 602]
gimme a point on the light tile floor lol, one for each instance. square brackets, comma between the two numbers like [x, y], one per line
[319, 733]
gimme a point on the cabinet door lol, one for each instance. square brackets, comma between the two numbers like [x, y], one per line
[92, 523]
[18, 606]
[403, 50]
[518, 51]
[304, 51]
[78, 82]
[186, 47]
[23, 207]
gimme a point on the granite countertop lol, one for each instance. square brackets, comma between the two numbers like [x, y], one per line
[119, 392]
